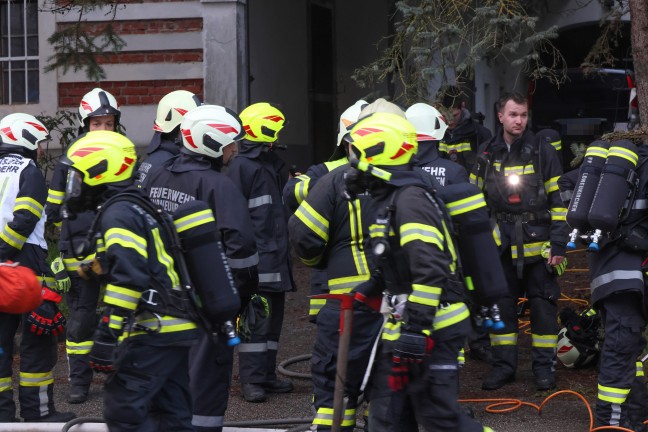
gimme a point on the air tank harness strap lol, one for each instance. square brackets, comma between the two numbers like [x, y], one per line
[511, 217]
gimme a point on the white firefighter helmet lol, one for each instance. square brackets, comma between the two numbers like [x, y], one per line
[172, 108]
[348, 118]
[574, 355]
[98, 102]
[22, 130]
[429, 122]
[208, 129]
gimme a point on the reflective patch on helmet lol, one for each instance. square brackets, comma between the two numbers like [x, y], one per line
[186, 134]
[248, 130]
[224, 128]
[86, 106]
[127, 163]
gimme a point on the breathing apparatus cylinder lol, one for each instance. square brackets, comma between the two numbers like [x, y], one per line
[206, 263]
[585, 188]
[477, 249]
[613, 188]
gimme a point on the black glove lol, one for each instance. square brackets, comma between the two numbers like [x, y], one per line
[409, 351]
[105, 341]
[246, 281]
[371, 288]
[46, 320]
[102, 354]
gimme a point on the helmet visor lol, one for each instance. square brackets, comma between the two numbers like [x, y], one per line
[73, 185]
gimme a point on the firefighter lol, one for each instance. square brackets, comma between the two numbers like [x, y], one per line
[22, 239]
[329, 231]
[261, 175]
[209, 135]
[167, 140]
[464, 133]
[617, 283]
[518, 174]
[98, 110]
[430, 128]
[298, 187]
[146, 306]
[428, 321]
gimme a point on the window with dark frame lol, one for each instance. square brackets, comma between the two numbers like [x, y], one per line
[19, 70]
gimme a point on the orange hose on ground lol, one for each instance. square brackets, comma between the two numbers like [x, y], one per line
[516, 403]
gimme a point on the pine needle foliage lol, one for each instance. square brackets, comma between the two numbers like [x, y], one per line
[446, 38]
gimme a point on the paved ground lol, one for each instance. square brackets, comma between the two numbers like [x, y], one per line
[563, 413]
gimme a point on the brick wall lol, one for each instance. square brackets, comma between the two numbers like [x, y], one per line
[153, 26]
[128, 92]
[167, 56]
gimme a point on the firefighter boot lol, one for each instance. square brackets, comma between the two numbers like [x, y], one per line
[278, 386]
[504, 367]
[544, 383]
[78, 394]
[55, 417]
[253, 392]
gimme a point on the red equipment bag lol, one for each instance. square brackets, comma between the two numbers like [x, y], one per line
[20, 290]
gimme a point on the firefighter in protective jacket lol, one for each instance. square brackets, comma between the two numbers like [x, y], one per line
[329, 231]
[428, 321]
[146, 305]
[518, 174]
[167, 140]
[22, 239]
[209, 135]
[98, 110]
[261, 175]
[297, 189]
[617, 284]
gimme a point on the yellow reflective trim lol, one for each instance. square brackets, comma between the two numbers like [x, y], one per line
[640, 369]
[127, 239]
[315, 305]
[559, 214]
[426, 233]
[331, 165]
[503, 339]
[166, 324]
[466, 205]
[425, 295]
[557, 145]
[194, 219]
[530, 250]
[72, 264]
[55, 197]
[301, 188]
[311, 261]
[391, 331]
[313, 220]
[612, 394]
[624, 153]
[551, 185]
[346, 284]
[357, 239]
[29, 204]
[36, 379]
[78, 348]
[11, 237]
[497, 236]
[5, 384]
[165, 259]
[596, 151]
[122, 297]
[544, 341]
[451, 315]
[457, 147]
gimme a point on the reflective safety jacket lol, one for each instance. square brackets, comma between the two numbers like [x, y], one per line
[444, 171]
[422, 261]
[141, 277]
[261, 175]
[74, 231]
[521, 190]
[159, 151]
[329, 231]
[187, 178]
[22, 197]
[461, 143]
[297, 188]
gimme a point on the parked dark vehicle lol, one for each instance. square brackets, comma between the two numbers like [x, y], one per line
[585, 106]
